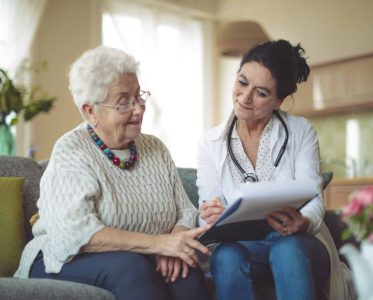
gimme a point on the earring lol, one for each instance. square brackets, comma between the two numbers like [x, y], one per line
[95, 125]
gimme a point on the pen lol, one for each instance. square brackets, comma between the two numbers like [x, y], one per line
[222, 204]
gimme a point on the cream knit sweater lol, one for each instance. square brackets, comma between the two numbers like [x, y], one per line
[82, 191]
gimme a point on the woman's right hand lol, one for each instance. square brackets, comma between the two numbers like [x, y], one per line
[211, 210]
[183, 245]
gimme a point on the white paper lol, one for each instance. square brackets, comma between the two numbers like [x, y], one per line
[258, 199]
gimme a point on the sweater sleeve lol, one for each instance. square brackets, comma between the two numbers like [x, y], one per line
[186, 212]
[69, 190]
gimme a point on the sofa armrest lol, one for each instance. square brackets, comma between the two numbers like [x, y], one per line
[45, 289]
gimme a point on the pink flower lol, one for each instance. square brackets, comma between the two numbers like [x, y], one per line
[352, 209]
[358, 215]
[360, 199]
[370, 238]
[364, 196]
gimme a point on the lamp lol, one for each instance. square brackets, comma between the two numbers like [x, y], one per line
[235, 38]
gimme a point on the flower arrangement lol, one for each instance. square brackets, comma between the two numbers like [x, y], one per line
[358, 215]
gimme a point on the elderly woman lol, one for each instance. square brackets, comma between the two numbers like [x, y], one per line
[113, 211]
[259, 142]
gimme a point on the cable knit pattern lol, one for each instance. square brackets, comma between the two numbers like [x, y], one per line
[82, 191]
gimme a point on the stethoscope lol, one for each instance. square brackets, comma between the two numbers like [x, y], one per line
[251, 177]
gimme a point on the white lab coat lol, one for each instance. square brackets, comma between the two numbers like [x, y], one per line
[301, 160]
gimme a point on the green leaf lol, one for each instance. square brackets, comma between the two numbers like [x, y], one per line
[346, 234]
[13, 97]
[34, 108]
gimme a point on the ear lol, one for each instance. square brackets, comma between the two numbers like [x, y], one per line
[88, 110]
[279, 103]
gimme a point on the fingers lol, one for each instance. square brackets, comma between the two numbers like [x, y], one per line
[213, 207]
[195, 245]
[287, 221]
[182, 245]
[193, 233]
[158, 263]
[280, 221]
[175, 272]
[211, 219]
[164, 266]
[185, 270]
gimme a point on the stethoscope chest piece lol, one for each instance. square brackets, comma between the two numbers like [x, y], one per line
[251, 177]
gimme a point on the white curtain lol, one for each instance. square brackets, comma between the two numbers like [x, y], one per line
[19, 20]
[170, 48]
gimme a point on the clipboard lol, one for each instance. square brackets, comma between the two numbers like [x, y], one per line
[244, 219]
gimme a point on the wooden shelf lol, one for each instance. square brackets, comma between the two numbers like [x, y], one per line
[337, 193]
[335, 88]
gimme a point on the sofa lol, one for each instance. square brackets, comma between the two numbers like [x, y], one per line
[31, 171]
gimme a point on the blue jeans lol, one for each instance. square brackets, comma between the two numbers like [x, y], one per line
[127, 275]
[299, 265]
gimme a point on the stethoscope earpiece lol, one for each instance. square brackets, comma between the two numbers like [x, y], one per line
[251, 177]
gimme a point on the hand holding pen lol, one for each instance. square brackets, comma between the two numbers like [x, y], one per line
[211, 210]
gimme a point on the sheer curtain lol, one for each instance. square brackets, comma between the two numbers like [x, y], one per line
[170, 48]
[19, 20]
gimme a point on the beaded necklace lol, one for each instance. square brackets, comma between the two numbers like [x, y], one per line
[123, 164]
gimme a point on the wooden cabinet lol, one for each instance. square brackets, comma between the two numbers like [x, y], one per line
[337, 194]
[335, 87]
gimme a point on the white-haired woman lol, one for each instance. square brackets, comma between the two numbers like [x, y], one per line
[113, 212]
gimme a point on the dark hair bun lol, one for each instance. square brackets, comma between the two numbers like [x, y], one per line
[286, 62]
[302, 66]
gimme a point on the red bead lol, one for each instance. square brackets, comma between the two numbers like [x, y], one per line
[134, 157]
[103, 147]
[116, 161]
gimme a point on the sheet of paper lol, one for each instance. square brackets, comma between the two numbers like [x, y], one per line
[258, 199]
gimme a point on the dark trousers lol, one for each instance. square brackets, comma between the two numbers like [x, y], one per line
[127, 275]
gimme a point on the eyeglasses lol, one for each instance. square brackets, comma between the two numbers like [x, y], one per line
[129, 104]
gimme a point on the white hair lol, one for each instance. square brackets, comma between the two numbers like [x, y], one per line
[92, 73]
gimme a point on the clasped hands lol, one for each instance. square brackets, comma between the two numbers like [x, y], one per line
[177, 251]
[286, 220]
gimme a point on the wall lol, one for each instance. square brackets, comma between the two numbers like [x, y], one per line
[65, 32]
[329, 30]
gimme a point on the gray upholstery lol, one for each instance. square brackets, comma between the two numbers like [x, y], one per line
[46, 289]
[38, 289]
[11, 288]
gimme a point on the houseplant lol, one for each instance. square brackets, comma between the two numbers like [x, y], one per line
[16, 100]
[358, 215]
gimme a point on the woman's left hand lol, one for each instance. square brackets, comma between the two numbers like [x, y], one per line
[171, 267]
[287, 221]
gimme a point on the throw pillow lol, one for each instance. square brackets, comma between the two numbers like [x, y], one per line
[12, 235]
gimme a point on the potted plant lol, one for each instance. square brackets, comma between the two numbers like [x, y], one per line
[16, 100]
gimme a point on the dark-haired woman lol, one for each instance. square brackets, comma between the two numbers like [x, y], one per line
[259, 142]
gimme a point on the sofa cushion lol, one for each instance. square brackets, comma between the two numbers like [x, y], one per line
[31, 171]
[46, 289]
[12, 234]
[188, 177]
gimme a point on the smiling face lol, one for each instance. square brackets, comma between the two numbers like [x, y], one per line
[254, 93]
[117, 129]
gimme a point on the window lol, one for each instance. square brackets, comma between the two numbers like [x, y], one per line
[170, 49]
